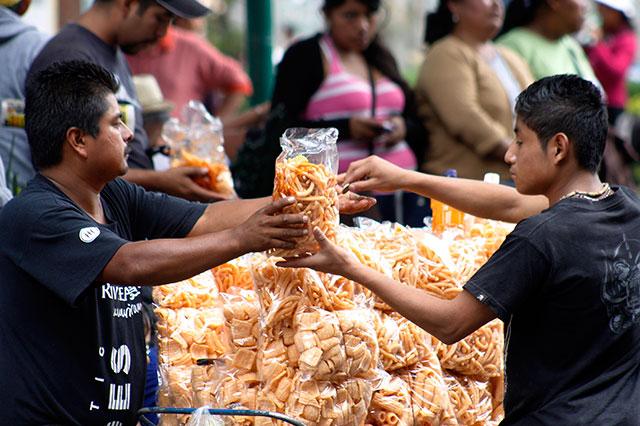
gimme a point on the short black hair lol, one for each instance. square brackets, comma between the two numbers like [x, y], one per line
[571, 105]
[371, 5]
[64, 95]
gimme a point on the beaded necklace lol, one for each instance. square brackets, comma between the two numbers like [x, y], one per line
[604, 192]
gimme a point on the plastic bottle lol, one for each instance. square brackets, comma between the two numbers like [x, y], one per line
[443, 215]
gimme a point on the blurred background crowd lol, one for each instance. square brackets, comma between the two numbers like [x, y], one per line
[428, 85]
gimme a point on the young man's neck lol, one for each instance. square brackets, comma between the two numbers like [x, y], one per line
[582, 181]
[85, 193]
[102, 20]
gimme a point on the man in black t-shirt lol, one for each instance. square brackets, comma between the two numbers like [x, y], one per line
[78, 243]
[566, 281]
[101, 35]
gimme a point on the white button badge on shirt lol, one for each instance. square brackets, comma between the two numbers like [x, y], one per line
[89, 234]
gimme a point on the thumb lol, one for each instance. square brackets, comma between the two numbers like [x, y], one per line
[320, 237]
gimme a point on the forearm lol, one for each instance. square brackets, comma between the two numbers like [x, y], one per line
[436, 316]
[227, 214]
[475, 197]
[148, 179]
[164, 261]
[230, 105]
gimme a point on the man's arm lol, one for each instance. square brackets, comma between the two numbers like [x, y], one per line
[176, 181]
[162, 261]
[478, 198]
[448, 320]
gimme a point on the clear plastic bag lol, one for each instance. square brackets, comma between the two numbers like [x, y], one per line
[391, 403]
[199, 291]
[201, 417]
[197, 141]
[320, 346]
[480, 354]
[470, 399]
[360, 342]
[235, 274]
[306, 169]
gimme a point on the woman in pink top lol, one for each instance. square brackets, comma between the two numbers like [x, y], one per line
[614, 53]
[346, 79]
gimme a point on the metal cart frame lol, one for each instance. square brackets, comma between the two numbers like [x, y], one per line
[214, 411]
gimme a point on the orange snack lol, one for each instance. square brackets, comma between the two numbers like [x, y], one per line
[314, 188]
[218, 179]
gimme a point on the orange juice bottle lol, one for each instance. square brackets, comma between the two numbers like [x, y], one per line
[444, 216]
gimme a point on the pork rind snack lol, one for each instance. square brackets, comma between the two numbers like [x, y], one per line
[189, 334]
[325, 403]
[391, 403]
[199, 291]
[479, 355]
[306, 170]
[470, 399]
[196, 140]
[241, 313]
[360, 342]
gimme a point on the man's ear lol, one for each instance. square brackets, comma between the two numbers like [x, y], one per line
[559, 148]
[75, 140]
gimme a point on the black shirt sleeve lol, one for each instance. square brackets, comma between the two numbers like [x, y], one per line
[511, 277]
[62, 248]
[153, 214]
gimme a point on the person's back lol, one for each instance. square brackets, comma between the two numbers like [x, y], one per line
[548, 57]
[19, 44]
[574, 343]
[188, 67]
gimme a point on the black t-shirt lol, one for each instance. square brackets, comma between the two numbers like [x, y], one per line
[567, 285]
[72, 349]
[75, 42]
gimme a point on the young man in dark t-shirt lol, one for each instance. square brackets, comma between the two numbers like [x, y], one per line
[78, 243]
[566, 281]
[101, 35]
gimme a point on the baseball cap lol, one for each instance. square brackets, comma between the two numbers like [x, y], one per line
[624, 6]
[187, 9]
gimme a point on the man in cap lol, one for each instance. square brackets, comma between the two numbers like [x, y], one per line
[19, 45]
[102, 35]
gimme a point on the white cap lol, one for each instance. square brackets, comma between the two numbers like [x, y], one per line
[625, 6]
[492, 178]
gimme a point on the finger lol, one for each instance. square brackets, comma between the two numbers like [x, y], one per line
[322, 239]
[364, 185]
[340, 178]
[290, 220]
[356, 172]
[287, 234]
[304, 261]
[193, 171]
[277, 205]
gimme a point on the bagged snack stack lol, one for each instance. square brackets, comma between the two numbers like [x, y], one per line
[391, 403]
[197, 141]
[470, 400]
[306, 169]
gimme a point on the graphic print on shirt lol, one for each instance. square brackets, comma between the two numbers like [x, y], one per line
[621, 288]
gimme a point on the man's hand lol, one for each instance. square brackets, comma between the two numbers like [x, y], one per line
[351, 203]
[270, 228]
[372, 174]
[330, 258]
[179, 181]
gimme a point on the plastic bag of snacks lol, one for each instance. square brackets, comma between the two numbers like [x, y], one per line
[319, 342]
[197, 141]
[235, 273]
[199, 291]
[391, 403]
[360, 342]
[480, 354]
[306, 169]
[429, 395]
[470, 399]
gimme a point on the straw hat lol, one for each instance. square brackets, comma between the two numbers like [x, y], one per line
[150, 95]
[626, 7]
